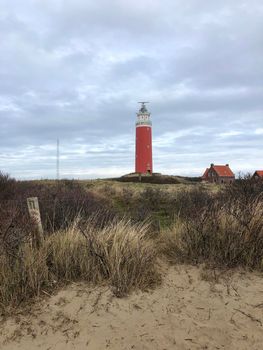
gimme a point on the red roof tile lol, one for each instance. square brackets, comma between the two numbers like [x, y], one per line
[259, 173]
[223, 170]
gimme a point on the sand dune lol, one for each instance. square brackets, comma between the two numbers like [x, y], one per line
[192, 309]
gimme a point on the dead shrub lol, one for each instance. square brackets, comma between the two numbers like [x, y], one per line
[221, 235]
[244, 190]
[8, 186]
[14, 220]
[60, 202]
[15, 226]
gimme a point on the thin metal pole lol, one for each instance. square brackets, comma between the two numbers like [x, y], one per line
[57, 159]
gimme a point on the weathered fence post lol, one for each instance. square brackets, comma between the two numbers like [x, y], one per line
[34, 213]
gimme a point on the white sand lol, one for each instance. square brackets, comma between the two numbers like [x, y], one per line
[186, 312]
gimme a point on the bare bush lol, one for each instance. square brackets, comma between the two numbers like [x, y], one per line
[60, 202]
[15, 226]
[163, 207]
[60, 208]
[221, 235]
[8, 187]
[245, 189]
[190, 203]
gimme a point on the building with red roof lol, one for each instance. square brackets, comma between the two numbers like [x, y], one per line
[205, 175]
[258, 174]
[220, 174]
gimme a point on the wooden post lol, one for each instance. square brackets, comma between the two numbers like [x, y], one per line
[34, 213]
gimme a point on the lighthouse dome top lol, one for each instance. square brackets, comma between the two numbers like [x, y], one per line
[143, 108]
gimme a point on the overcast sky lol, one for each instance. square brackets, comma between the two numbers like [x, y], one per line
[75, 69]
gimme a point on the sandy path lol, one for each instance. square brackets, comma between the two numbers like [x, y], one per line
[186, 312]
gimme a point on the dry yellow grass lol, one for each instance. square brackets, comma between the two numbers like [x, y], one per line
[121, 255]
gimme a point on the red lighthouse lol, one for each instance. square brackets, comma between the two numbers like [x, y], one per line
[143, 162]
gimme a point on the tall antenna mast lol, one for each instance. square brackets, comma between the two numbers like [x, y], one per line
[58, 159]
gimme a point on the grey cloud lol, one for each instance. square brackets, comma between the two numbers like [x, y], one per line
[76, 69]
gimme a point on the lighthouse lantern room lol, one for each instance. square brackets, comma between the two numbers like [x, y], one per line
[143, 162]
